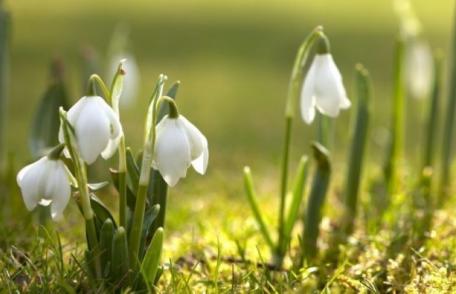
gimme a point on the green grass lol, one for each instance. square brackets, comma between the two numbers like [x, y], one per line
[234, 59]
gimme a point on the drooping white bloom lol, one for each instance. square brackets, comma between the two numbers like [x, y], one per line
[178, 145]
[131, 79]
[97, 127]
[323, 89]
[45, 182]
[419, 68]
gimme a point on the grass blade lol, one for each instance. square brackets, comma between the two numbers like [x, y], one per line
[251, 197]
[358, 139]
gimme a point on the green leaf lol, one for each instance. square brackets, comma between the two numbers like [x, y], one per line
[317, 197]
[150, 216]
[119, 258]
[150, 264]
[106, 238]
[100, 210]
[251, 197]
[132, 172]
[46, 122]
[358, 139]
[296, 200]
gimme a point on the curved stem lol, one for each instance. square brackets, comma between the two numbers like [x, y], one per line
[293, 93]
[106, 93]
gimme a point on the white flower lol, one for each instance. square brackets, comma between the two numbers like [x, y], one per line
[131, 79]
[419, 69]
[45, 182]
[178, 145]
[97, 128]
[323, 89]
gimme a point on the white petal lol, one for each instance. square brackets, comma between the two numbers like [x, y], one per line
[198, 145]
[195, 137]
[30, 181]
[308, 96]
[200, 163]
[329, 89]
[93, 129]
[59, 189]
[116, 132]
[172, 151]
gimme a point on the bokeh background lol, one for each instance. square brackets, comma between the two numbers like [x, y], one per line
[233, 58]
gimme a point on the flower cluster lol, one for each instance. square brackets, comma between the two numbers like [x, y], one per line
[98, 130]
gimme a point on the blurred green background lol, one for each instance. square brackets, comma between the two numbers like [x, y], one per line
[233, 58]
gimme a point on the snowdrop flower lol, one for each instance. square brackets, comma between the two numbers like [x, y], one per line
[179, 144]
[419, 68]
[45, 182]
[323, 88]
[97, 128]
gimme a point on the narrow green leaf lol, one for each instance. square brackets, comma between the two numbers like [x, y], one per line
[4, 77]
[296, 200]
[106, 238]
[358, 138]
[432, 116]
[448, 133]
[158, 91]
[315, 204]
[132, 172]
[397, 120]
[150, 217]
[119, 258]
[150, 264]
[46, 121]
[251, 197]
[102, 212]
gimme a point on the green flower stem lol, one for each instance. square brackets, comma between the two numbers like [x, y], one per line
[448, 127]
[81, 176]
[292, 97]
[144, 177]
[122, 183]
[358, 139]
[397, 123]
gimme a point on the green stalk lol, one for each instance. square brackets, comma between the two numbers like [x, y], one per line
[4, 76]
[431, 131]
[292, 97]
[397, 123]
[144, 177]
[315, 204]
[448, 128]
[122, 184]
[358, 139]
